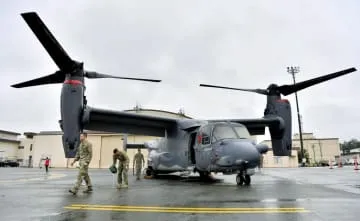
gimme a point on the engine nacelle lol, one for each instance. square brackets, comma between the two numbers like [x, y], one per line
[72, 99]
[262, 148]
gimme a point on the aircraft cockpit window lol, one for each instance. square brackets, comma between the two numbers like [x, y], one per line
[223, 132]
[242, 132]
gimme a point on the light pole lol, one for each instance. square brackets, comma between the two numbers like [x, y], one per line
[293, 71]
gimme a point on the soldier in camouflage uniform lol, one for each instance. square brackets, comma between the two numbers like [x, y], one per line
[138, 163]
[123, 167]
[84, 156]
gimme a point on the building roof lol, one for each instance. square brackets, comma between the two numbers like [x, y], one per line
[9, 140]
[9, 132]
[60, 132]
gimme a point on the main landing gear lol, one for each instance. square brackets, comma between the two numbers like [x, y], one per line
[243, 179]
[151, 172]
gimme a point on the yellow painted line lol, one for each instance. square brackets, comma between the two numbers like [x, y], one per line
[183, 209]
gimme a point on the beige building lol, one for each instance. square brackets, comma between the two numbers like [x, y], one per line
[319, 149]
[9, 145]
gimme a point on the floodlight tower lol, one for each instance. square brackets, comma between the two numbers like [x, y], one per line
[293, 70]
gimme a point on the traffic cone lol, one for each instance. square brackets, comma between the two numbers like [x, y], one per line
[356, 164]
[330, 163]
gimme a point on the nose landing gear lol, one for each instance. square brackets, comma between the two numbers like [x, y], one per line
[243, 179]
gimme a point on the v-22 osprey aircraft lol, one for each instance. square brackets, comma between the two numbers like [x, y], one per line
[206, 146]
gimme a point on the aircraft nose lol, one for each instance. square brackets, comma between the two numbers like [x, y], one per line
[237, 153]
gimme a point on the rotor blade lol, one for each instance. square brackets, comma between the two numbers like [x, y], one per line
[259, 91]
[94, 75]
[289, 89]
[57, 77]
[48, 41]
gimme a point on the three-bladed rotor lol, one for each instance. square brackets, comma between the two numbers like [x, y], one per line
[68, 67]
[274, 89]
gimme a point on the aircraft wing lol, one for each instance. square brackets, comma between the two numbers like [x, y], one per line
[257, 126]
[124, 122]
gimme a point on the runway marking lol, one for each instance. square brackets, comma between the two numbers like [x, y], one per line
[45, 177]
[183, 209]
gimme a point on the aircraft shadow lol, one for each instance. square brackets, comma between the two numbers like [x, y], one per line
[188, 179]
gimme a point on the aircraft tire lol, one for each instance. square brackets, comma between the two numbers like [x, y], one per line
[247, 180]
[240, 180]
[154, 173]
[148, 172]
[204, 175]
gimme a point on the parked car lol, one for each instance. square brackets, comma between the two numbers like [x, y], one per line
[9, 163]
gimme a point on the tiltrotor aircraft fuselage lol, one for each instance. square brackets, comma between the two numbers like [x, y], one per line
[222, 145]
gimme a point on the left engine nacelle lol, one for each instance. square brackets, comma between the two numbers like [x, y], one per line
[262, 148]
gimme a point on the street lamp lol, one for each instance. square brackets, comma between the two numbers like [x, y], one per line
[293, 70]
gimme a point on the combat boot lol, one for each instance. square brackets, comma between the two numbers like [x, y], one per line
[88, 190]
[74, 192]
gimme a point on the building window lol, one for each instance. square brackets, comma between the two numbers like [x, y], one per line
[21, 147]
[30, 147]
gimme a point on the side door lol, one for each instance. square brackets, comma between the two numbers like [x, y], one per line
[203, 150]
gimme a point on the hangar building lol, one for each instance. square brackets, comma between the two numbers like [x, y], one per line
[9, 145]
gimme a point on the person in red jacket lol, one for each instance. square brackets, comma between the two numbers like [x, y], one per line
[47, 162]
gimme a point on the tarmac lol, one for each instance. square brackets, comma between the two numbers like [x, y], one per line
[276, 194]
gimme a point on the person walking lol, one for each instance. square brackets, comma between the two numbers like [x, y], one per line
[47, 163]
[84, 156]
[138, 163]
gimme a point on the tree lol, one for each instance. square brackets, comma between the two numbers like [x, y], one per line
[306, 155]
[346, 146]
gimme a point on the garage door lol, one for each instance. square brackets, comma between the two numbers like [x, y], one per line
[108, 144]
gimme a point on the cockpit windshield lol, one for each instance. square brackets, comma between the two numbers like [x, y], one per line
[229, 132]
[242, 132]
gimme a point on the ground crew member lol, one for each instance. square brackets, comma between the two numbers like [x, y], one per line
[47, 162]
[138, 163]
[123, 167]
[84, 156]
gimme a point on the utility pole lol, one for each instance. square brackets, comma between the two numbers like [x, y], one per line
[293, 71]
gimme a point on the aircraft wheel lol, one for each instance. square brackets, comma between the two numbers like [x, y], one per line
[148, 172]
[240, 180]
[247, 180]
[154, 173]
[204, 175]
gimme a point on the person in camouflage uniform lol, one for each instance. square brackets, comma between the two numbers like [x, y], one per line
[138, 163]
[84, 156]
[123, 167]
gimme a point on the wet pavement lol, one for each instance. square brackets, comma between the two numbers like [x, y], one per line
[275, 194]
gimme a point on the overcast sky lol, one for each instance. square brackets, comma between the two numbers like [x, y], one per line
[184, 43]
